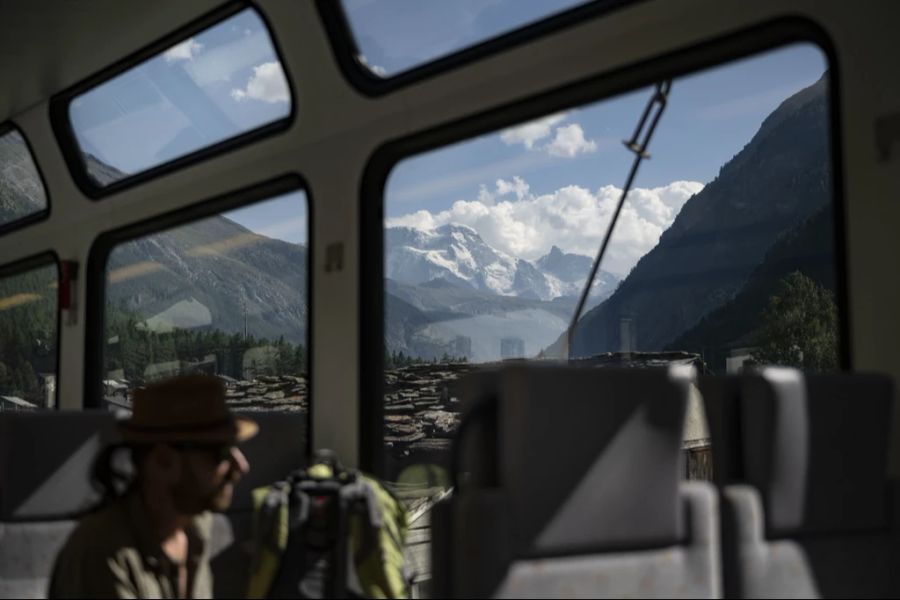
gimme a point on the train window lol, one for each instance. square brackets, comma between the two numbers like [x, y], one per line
[28, 337]
[220, 83]
[723, 255]
[22, 193]
[392, 37]
[225, 295]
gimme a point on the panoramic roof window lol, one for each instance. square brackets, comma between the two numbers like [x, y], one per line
[393, 37]
[21, 191]
[220, 83]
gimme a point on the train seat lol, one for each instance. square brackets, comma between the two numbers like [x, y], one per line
[813, 515]
[568, 485]
[45, 461]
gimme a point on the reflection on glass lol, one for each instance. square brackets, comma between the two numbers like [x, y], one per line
[28, 340]
[395, 36]
[722, 255]
[21, 190]
[225, 295]
[223, 81]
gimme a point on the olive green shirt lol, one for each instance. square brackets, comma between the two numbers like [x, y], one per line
[114, 553]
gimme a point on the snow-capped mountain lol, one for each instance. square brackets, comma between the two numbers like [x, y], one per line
[458, 254]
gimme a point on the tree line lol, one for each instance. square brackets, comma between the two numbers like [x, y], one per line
[27, 333]
[395, 360]
[132, 348]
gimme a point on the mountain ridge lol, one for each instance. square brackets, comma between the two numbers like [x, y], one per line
[459, 254]
[781, 177]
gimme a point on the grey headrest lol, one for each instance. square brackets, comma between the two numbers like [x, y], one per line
[589, 458]
[279, 448]
[816, 448]
[45, 462]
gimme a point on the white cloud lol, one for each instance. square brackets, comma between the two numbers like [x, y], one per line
[531, 132]
[572, 217]
[268, 84]
[485, 196]
[517, 186]
[186, 50]
[570, 142]
[377, 69]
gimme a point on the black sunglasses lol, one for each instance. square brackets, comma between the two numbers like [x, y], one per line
[219, 451]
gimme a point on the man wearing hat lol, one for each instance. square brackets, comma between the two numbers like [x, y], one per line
[151, 541]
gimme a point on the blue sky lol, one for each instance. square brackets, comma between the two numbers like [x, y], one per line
[709, 119]
[554, 181]
[282, 217]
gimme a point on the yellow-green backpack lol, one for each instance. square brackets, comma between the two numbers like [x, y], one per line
[328, 531]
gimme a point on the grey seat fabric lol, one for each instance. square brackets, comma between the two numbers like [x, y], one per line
[569, 485]
[814, 517]
[45, 461]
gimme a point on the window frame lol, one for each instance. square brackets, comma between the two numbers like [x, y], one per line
[346, 50]
[35, 217]
[743, 43]
[32, 263]
[68, 142]
[105, 243]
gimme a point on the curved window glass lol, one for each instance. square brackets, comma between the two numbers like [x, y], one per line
[22, 193]
[217, 84]
[393, 37]
[28, 338]
[224, 295]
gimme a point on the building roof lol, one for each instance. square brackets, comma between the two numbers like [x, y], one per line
[17, 401]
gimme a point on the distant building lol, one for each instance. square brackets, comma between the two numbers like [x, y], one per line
[512, 347]
[173, 368]
[736, 358]
[48, 389]
[15, 404]
[162, 370]
[626, 335]
[258, 361]
[113, 388]
[461, 347]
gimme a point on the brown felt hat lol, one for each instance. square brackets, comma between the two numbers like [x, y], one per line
[190, 408]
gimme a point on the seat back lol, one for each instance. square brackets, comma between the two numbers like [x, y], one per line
[45, 461]
[816, 447]
[562, 462]
[812, 514]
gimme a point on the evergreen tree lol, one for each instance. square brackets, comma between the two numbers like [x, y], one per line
[799, 327]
